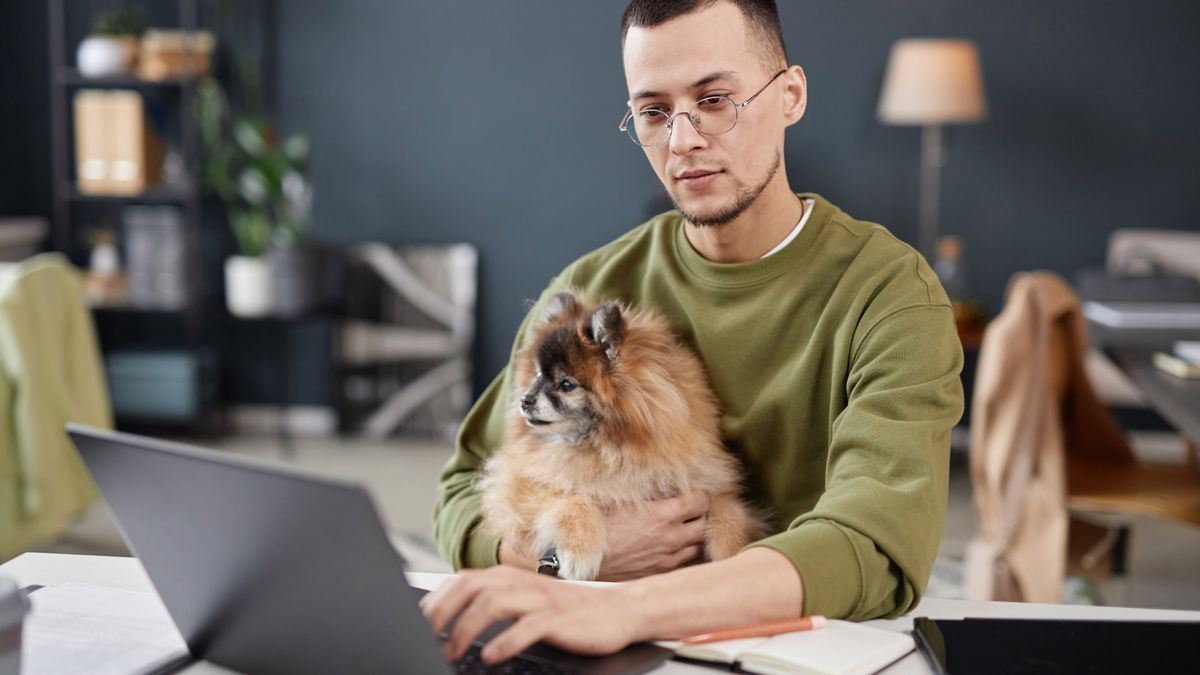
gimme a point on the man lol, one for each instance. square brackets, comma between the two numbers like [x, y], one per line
[830, 344]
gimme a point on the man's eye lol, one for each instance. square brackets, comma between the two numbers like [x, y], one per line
[652, 116]
[711, 102]
[566, 386]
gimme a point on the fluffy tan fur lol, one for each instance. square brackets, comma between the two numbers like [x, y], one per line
[650, 430]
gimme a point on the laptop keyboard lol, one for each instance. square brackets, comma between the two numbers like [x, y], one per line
[472, 664]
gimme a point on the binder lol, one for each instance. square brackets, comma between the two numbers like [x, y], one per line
[92, 151]
[116, 151]
[136, 160]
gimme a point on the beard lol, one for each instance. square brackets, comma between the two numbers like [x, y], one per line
[743, 197]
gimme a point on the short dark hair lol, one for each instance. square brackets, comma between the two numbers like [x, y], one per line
[762, 19]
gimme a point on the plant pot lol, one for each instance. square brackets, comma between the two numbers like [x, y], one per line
[296, 275]
[106, 56]
[248, 290]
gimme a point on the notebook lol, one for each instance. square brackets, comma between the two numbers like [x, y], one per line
[840, 648]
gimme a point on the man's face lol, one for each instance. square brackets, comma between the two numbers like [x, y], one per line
[712, 179]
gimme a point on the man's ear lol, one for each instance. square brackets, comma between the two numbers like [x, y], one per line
[608, 328]
[795, 95]
[564, 303]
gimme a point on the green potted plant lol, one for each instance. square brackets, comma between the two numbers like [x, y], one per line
[261, 182]
[111, 47]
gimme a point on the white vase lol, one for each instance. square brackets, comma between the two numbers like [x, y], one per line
[248, 286]
[103, 56]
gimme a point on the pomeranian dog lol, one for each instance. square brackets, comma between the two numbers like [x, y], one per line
[610, 410]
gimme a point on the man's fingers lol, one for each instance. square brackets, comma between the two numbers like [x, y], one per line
[446, 602]
[694, 531]
[515, 639]
[488, 607]
[686, 556]
[693, 505]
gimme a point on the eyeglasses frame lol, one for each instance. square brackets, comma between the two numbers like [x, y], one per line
[737, 108]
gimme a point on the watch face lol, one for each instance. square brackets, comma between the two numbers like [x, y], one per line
[548, 563]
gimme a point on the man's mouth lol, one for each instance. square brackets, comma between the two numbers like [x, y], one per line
[697, 178]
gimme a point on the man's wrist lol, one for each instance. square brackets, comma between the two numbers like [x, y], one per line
[637, 600]
[509, 555]
[755, 586]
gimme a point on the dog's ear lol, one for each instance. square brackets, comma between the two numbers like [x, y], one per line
[608, 328]
[561, 304]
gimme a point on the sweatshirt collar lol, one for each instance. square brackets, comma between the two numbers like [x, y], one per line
[754, 271]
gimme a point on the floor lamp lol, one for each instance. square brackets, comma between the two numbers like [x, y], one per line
[931, 83]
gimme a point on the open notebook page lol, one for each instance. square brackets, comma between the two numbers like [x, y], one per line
[841, 648]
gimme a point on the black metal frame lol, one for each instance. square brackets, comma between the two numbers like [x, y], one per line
[63, 80]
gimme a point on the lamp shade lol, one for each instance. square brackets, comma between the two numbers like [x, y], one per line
[932, 82]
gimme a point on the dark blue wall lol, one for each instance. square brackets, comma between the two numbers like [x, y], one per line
[24, 110]
[495, 123]
[488, 122]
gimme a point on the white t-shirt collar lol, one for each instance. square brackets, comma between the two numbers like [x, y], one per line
[808, 208]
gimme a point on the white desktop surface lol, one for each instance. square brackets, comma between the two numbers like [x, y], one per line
[118, 572]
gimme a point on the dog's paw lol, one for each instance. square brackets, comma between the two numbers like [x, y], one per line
[579, 565]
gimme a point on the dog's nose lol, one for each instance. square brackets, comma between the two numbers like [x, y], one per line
[528, 401]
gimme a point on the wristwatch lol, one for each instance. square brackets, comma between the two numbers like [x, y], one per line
[548, 562]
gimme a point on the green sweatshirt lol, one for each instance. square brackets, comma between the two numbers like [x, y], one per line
[836, 362]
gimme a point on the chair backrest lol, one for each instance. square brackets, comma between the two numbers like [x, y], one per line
[50, 374]
[406, 354]
[1133, 251]
[1032, 405]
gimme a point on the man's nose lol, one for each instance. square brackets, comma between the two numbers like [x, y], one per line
[685, 135]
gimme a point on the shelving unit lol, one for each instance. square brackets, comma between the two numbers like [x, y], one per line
[70, 76]
[155, 195]
[68, 201]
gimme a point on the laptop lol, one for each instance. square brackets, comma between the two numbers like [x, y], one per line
[267, 569]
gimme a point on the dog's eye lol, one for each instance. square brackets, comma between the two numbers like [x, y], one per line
[566, 386]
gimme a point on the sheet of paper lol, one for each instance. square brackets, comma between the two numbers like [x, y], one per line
[81, 628]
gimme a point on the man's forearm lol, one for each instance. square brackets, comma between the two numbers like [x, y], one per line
[757, 585]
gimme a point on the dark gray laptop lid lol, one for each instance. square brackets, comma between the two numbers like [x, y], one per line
[264, 569]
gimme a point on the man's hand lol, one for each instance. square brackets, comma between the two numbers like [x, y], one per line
[755, 586]
[657, 537]
[577, 618]
[645, 539]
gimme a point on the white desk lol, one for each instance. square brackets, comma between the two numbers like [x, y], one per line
[54, 568]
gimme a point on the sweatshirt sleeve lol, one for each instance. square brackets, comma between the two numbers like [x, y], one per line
[867, 547]
[456, 511]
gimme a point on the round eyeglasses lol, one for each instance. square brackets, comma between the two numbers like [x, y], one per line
[712, 115]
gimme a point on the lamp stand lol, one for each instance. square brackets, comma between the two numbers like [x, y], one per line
[933, 156]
